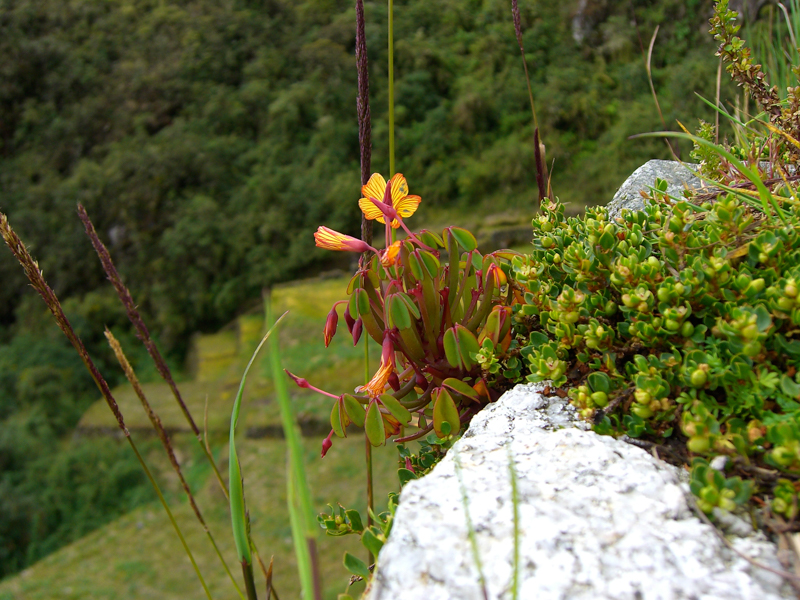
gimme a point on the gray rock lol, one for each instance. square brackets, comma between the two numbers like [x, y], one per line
[678, 176]
[599, 519]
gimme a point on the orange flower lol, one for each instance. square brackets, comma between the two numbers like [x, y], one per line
[333, 240]
[389, 256]
[377, 384]
[394, 194]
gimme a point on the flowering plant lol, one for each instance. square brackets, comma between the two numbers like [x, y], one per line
[437, 307]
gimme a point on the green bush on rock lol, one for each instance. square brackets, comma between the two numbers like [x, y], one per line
[676, 322]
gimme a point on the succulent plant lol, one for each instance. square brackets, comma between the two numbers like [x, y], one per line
[439, 309]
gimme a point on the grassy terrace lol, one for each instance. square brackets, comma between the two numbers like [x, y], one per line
[139, 556]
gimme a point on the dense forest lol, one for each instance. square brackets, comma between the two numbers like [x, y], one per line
[208, 139]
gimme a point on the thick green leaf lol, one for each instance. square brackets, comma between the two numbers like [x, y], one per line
[405, 476]
[410, 304]
[464, 238]
[460, 387]
[355, 520]
[354, 410]
[431, 263]
[451, 348]
[445, 411]
[415, 263]
[356, 566]
[361, 302]
[371, 542]
[599, 382]
[376, 432]
[789, 387]
[467, 345]
[398, 312]
[399, 411]
[339, 419]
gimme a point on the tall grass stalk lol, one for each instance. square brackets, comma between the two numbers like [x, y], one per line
[155, 420]
[391, 88]
[239, 519]
[363, 112]
[365, 147]
[515, 503]
[301, 510]
[473, 540]
[38, 282]
[144, 335]
[768, 202]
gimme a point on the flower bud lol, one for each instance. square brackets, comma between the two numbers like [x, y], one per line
[303, 383]
[348, 319]
[358, 326]
[387, 350]
[394, 381]
[330, 325]
[326, 444]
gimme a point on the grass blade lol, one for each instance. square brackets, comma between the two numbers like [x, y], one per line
[473, 540]
[239, 520]
[515, 502]
[301, 511]
[767, 199]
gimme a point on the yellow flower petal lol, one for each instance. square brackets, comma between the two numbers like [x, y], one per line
[399, 188]
[407, 206]
[389, 256]
[378, 382]
[370, 210]
[375, 188]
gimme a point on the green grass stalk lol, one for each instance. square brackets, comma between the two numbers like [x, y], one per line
[391, 88]
[239, 518]
[34, 274]
[304, 524]
[155, 420]
[766, 197]
[515, 503]
[473, 540]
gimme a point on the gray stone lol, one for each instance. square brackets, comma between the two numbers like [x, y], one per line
[678, 176]
[598, 519]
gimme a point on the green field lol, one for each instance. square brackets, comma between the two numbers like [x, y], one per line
[138, 555]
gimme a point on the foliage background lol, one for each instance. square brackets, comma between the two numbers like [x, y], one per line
[208, 139]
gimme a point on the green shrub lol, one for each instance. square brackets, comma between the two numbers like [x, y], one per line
[676, 322]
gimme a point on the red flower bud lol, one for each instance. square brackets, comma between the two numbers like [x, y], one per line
[387, 351]
[298, 380]
[348, 319]
[358, 326]
[326, 444]
[394, 381]
[409, 466]
[330, 325]
[421, 381]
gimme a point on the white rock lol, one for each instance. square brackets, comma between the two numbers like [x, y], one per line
[598, 518]
[678, 177]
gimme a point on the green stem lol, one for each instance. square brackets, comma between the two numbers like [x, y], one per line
[169, 514]
[368, 450]
[249, 583]
[391, 88]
